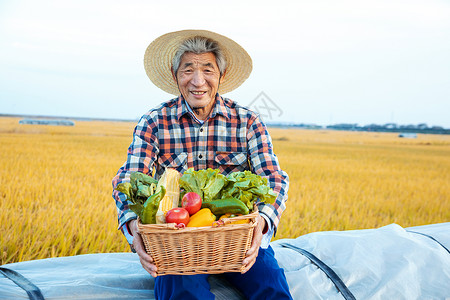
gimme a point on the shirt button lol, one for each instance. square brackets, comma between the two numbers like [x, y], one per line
[201, 129]
[200, 156]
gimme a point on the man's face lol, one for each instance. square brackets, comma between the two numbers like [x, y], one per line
[198, 80]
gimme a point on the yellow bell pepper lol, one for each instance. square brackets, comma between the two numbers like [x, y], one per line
[204, 217]
[234, 222]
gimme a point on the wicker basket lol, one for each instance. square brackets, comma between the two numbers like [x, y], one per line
[198, 250]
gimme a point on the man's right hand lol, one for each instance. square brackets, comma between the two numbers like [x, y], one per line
[146, 260]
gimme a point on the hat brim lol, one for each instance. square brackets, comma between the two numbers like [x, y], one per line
[159, 54]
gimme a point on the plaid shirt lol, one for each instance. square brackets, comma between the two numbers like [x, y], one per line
[232, 139]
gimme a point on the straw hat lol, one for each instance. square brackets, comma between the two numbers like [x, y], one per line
[159, 54]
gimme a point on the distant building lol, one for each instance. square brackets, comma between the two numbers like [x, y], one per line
[390, 126]
[47, 122]
[422, 126]
[408, 135]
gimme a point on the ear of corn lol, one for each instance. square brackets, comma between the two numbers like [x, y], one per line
[170, 180]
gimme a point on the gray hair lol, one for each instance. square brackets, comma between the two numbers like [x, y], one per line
[199, 45]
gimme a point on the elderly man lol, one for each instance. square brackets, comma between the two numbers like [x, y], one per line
[201, 129]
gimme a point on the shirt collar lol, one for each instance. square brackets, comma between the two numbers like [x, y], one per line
[220, 108]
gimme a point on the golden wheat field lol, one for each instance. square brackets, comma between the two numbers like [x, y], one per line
[55, 184]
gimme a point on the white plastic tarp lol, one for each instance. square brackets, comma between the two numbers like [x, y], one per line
[385, 263]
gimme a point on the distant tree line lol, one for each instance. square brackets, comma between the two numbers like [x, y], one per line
[388, 127]
[392, 127]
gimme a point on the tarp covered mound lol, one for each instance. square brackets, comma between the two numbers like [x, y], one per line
[385, 263]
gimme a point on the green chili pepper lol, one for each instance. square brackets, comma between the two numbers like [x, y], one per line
[148, 215]
[227, 205]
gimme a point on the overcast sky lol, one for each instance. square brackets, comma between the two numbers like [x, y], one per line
[321, 61]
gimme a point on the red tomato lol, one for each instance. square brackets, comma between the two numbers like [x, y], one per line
[177, 215]
[191, 202]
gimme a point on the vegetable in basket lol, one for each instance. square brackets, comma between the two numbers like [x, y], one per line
[231, 216]
[170, 181]
[248, 188]
[228, 205]
[191, 202]
[206, 183]
[204, 217]
[178, 215]
[144, 194]
[245, 187]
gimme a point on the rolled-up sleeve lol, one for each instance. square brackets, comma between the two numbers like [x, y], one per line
[265, 163]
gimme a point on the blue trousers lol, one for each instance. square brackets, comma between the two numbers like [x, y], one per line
[265, 280]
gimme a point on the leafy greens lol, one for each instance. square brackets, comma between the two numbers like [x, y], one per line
[144, 196]
[211, 185]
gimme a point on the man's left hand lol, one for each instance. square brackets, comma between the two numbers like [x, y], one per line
[252, 253]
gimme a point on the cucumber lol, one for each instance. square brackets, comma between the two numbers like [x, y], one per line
[226, 205]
